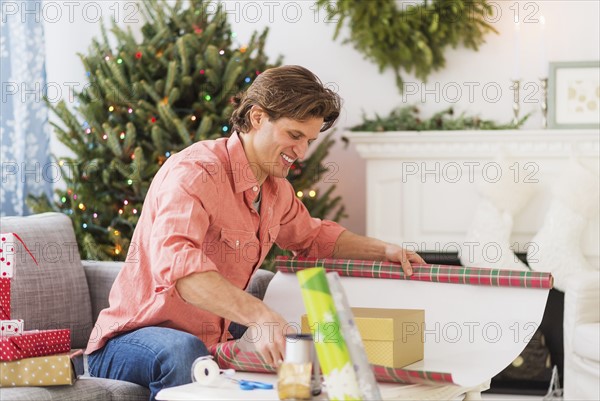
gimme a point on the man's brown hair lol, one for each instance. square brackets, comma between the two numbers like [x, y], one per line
[287, 92]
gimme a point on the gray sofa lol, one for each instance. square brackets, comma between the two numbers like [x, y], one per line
[62, 292]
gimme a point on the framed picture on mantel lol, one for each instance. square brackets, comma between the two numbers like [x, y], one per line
[574, 95]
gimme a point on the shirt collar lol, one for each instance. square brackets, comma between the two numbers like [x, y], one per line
[241, 170]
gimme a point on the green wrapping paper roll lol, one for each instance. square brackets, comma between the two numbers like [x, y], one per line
[367, 384]
[329, 340]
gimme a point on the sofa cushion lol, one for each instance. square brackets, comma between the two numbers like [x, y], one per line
[91, 389]
[586, 341]
[55, 293]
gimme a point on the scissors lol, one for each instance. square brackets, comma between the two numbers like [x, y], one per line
[252, 385]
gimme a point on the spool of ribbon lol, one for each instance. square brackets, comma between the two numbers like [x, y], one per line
[205, 371]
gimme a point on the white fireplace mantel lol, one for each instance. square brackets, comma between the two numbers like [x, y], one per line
[422, 186]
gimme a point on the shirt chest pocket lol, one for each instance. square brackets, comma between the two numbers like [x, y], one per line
[239, 246]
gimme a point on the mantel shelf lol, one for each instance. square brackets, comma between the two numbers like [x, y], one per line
[550, 143]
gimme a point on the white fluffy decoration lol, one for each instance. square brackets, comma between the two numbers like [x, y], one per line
[487, 242]
[556, 247]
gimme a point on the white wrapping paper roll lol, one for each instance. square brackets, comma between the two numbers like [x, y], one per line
[205, 371]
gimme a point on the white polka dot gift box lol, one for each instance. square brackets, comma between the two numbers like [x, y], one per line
[7, 262]
[35, 343]
[7, 254]
[55, 370]
[8, 242]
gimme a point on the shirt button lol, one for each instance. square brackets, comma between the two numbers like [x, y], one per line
[237, 242]
[255, 188]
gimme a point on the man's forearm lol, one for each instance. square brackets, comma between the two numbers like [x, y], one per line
[353, 246]
[212, 292]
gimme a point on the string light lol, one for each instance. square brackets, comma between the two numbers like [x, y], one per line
[106, 58]
[133, 156]
[81, 207]
[95, 215]
[312, 193]
[111, 108]
[225, 128]
[129, 182]
[134, 211]
[153, 120]
[126, 202]
[61, 163]
[138, 55]
[84, 225]
[221, 52]
[168, 154]
[88, 131]
[75, 197]
[247, 80]
[243, 49]
[299, 194]
[118, 249]
[120, 211]
[202, 72]
[63, 199]
[130, 110]
[119, 60]
[207, 97]
[105, 137]
[193, 118]
[122, 136]
[116, 233]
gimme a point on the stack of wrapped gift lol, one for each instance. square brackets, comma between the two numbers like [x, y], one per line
[28, 358]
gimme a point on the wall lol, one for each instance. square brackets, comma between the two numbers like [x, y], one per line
[302, 36]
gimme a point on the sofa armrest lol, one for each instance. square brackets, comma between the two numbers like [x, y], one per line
[582, 296]
[100, 277]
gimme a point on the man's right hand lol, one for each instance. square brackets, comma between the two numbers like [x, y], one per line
[266, 336]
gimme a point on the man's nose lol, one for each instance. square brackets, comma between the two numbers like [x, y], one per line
[300, 149]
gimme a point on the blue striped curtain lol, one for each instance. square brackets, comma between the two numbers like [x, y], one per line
[24, 128]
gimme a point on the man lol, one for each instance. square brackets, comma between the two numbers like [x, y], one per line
[210, 217]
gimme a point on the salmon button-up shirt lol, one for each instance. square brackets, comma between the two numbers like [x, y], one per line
[197, 217]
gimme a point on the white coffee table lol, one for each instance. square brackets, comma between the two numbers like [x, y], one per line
[228, 390]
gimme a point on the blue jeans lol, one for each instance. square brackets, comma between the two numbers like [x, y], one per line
[153, 357]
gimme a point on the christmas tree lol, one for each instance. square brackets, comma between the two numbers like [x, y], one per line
[147, 100]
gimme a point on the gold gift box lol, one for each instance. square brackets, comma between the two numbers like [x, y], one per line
[52, 370]
[391, 337]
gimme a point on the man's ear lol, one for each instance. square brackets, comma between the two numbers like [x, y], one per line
[257, 116]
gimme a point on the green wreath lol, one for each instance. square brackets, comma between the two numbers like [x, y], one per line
[413, 38]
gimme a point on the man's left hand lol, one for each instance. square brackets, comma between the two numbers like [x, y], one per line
[394, 253]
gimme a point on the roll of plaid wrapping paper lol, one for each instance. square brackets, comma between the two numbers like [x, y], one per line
[229, 356]
[330, 345]
[366, 379]
[430, 273]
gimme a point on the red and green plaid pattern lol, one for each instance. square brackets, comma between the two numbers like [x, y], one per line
[431, 273]
[229, 356]
[405, 376]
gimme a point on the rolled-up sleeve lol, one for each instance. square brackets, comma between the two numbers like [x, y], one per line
[305, 235]
[185, 200]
